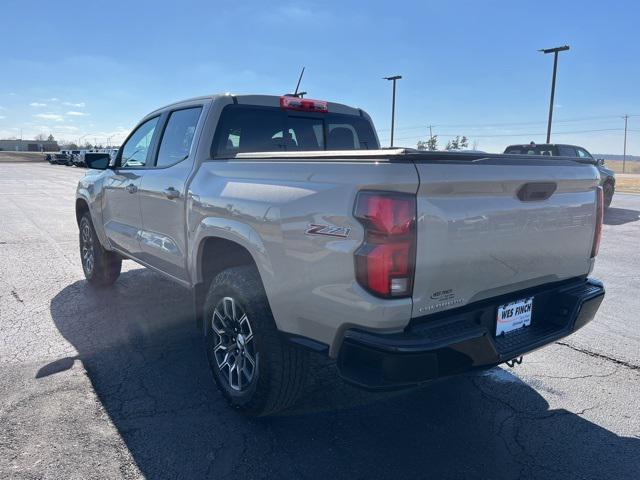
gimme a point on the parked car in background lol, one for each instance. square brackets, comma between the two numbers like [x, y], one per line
[76, 158]
[62, 158]
[607, 176]
[295, 232]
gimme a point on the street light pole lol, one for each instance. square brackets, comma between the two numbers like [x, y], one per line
[553, 82]
[624, 151]
[393, 103]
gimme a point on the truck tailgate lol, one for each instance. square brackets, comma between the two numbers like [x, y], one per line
[485, 228]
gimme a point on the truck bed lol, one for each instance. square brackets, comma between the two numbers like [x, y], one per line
[487, 224]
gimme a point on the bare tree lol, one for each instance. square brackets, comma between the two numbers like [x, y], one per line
[457, 143]
[431, 144]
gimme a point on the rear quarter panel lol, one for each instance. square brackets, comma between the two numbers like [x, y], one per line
[268, 205]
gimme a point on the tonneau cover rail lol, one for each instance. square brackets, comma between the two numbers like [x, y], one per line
[410, 155]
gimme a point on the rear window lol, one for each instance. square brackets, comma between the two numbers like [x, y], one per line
[245, 128]
[530, 150]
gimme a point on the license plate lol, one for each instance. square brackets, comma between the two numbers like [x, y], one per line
[514, 315]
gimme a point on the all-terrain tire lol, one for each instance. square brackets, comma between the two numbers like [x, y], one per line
[281, 368]
[608, 191]
[101, 267]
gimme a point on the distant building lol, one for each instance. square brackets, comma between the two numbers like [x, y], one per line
[29, 146]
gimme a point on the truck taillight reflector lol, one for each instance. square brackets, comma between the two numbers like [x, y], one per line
[385, 260]
[304, 104]
[599, 219]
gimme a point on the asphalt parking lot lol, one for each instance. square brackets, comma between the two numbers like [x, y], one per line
[113, 384]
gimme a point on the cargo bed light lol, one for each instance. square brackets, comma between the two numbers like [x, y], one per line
[304, 104]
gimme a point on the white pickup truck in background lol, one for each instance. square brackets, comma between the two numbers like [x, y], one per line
[297, 233]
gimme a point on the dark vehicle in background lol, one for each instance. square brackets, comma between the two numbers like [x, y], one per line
[76, 158]
[62, 158]
[607, 176]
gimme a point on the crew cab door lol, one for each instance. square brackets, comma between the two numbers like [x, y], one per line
[121, 208]
[163, 194]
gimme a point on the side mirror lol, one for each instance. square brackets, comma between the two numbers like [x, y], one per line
[97, 161]
[600, 161]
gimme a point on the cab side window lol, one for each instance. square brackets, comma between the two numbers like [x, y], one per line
[136, 151]
[566, 151]
[582, 153]
[178, 136]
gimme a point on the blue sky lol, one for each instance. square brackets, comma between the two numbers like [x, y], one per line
[77, 68]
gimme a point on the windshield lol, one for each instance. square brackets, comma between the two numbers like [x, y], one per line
[244, 128]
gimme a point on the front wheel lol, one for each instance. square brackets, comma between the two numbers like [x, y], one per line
[256, 371]
[608, 190]
[101, 267]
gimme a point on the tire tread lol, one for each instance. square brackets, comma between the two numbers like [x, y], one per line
[282, 378]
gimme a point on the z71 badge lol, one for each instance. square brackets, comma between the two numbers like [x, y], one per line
[328, 230]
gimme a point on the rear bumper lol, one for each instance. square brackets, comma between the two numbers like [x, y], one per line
[463, 339]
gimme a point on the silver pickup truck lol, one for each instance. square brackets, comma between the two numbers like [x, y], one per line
[296, 233]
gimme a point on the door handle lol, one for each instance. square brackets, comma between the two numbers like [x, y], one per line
[131, 188]
[171, 193]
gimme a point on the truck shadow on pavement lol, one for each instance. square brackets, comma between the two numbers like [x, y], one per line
[620, 216]
[144, 358]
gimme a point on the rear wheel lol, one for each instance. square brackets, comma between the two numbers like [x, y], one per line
[256, 371]
[608, 190]
[101, 267]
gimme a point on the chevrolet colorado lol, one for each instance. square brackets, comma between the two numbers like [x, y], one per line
[296, 233]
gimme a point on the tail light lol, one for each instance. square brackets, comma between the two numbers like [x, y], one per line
[304, 104]
[599, 219]
[385, 260]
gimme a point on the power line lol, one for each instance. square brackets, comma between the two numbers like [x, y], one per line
[521, 134]
[508, 124]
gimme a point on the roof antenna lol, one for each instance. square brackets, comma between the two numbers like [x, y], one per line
[296, 93]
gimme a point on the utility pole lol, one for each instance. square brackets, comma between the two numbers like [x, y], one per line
[431, 132]
[80, 138]
[553, 82]
[393, 103]
[624, 151]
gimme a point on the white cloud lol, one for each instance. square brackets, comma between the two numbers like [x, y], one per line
[77, 105]
[66, 128]
[77, 114]
[49, 116]
[296, 12]
[2, 117]
[54, 99]
[37, 104]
